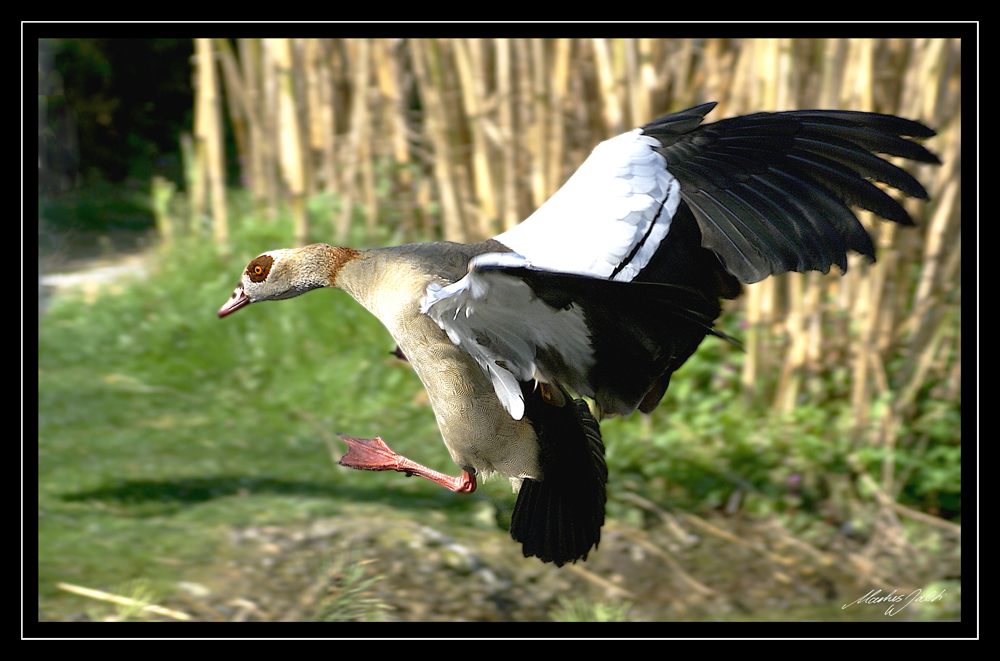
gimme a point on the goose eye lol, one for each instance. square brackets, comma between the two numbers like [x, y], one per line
[260, 268]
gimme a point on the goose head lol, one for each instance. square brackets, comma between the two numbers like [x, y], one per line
[280, 274]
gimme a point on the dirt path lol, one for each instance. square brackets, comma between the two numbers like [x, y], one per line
[88, 262]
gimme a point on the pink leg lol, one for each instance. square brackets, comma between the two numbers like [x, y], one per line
[372, 454]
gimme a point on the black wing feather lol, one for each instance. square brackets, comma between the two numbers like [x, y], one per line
[772, 192]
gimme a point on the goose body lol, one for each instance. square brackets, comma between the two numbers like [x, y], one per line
[603, 292]
[469, 423]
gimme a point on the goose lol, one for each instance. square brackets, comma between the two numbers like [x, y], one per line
[603, 292]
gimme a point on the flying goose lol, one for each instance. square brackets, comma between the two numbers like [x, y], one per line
[603, 292]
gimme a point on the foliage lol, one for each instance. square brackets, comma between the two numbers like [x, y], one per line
[130, 99]
[347, 593]
[581, 610]
[706, 442]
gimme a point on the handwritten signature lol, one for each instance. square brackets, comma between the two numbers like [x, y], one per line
[895, 599]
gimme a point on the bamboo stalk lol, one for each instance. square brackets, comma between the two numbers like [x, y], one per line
[236, 101]
[358, 155]
[289, 138]
[610, 103]
[638, 101]
[269, 116]
[511, 213]
[525, 135]
[538, 140]
[859, 57]
[472, 88]
[209, 134]
[366, 133]
[785, 94]
[325, 116]
[257, 148]
[302, 80]
[652, 105]
[557, 100]
[314, 69]
[714, 79]
[832, 76]
[391, 83]
[427, 66]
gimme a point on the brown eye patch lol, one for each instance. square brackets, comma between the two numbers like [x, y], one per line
[259, 268]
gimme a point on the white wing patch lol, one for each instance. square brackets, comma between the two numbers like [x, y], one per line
[509, 331]
[620, 198]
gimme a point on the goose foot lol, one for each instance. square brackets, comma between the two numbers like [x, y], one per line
[372, 454]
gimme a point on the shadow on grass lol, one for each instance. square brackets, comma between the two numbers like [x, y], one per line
[158, 497]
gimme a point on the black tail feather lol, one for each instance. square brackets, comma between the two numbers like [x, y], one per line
[558, 518]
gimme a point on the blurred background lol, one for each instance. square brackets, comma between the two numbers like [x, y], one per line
[189, 462]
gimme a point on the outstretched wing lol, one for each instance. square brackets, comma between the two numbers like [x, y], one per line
[613, 341]
[771, 192]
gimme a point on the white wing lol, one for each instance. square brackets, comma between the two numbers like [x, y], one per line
[609, 218]
[511, 333]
